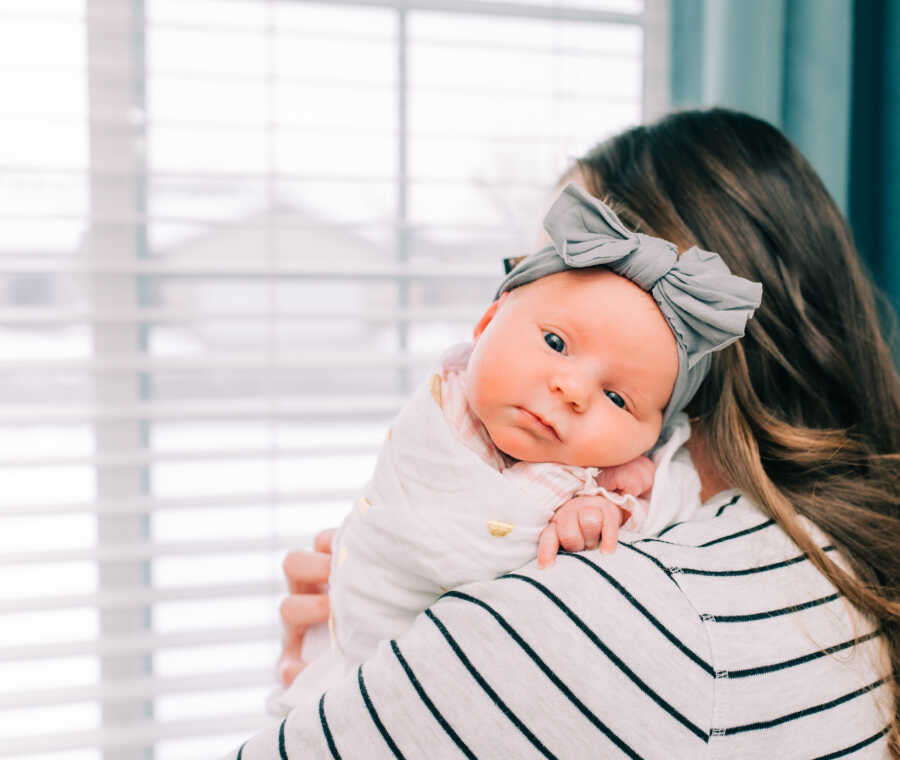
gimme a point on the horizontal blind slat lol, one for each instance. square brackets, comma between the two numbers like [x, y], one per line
[138, 644]
[128, 598]
[194, 175]
[143, 458]
[229, 362]
[135, 688]
[551, 12]
[150, 550]
[158, 504]
[223, 269]
[369, 84]
[134, 734]
[34, 317]
[279, 407]
[114, 123]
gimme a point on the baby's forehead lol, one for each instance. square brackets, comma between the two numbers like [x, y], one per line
[596, 285]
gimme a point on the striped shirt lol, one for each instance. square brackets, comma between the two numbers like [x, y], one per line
[716, 639]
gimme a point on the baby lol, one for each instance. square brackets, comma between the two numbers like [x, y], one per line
[583, 362]
[552, 379]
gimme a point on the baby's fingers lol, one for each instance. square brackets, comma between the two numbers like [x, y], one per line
[612, 516]
[634, 477]
[568, 529]
[548, 546]
[591, 522]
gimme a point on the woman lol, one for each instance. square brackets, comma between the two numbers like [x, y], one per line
[765, 627]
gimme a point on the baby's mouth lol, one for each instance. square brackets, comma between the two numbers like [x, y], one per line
[542, 422]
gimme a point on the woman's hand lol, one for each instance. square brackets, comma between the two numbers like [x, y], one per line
[306, 573]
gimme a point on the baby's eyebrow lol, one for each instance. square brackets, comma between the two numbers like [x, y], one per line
[637, 398]
[578, 328]
[641, 399]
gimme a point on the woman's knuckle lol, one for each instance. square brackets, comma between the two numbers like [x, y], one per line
[285, 609]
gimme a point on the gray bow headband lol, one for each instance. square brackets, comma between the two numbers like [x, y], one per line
[706, 306]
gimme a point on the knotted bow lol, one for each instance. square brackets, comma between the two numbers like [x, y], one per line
[706, 306]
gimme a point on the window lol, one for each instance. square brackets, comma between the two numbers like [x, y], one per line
[236, 233]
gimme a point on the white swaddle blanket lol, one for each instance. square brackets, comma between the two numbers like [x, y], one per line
[434, 516]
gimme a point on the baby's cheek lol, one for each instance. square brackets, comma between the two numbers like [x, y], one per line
[615, 444]
[483, 387]
[643, 440]
[474, 392]
[516, 444]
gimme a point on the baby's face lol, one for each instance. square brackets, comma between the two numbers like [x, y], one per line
[576, 368]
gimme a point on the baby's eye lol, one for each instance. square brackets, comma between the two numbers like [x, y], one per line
[615, 398]
[555, 342]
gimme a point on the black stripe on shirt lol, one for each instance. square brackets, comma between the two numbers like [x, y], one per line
[740, 533]
[668, 528]
[653, 559]
[448, 729]
[696, 730]
[282, 751]
[545, 669]
[373, 713]
[773, 613]
[800, 660]
[705, 666]
[800, 713]
[326, 730]
[675, 525]
[727, 504]
[748, 570]
[501, 705]
[853, 748]
[715, 541]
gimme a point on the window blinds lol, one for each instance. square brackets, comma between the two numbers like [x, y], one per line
[235, 234]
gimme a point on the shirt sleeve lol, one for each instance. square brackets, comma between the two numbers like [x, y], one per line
[599, 655]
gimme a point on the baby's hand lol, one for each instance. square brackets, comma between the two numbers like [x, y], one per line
[634, 477]
[579, 524]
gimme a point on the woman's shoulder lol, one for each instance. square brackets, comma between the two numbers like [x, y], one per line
[736, 563]
[719, 629]
[794, 661]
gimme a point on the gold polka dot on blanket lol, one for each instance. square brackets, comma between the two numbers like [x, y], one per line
[364, 505]
[499, 529]
[342, 555]
[434, 386]
[331, 625]
[388, 436]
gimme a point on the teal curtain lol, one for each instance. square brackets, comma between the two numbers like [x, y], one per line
[826, 72]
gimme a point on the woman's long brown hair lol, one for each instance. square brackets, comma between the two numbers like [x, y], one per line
[803, 414]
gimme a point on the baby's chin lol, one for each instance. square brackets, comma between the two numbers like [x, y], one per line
[519, 445]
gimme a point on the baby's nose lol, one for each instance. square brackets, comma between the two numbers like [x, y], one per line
[574, 390]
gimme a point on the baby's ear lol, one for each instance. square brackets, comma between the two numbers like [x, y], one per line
[488, 316]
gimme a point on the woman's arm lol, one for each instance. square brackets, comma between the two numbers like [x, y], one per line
[555, 663]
